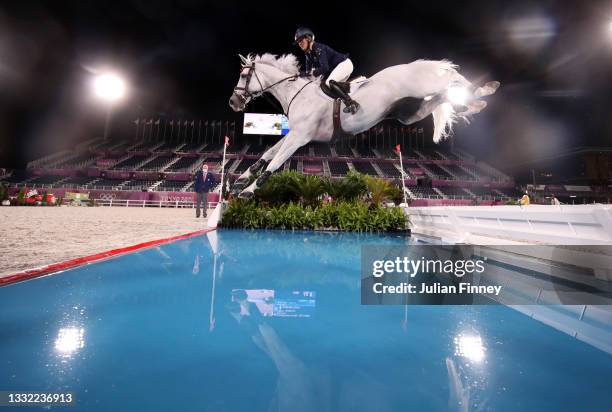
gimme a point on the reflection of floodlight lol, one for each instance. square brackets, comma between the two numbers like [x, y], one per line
[109, 87]
[457, 95]
[470, 347]
[69, 340]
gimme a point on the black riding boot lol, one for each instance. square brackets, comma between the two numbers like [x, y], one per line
[351, 105]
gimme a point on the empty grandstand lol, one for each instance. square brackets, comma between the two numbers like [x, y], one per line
[451, 192]
[168, 166]
[365, 167]
[338, 167]
[244, 165]
[321, 149]
[130, 163]
[344, 151]
[139, 184]
[389, 169]
[183, 164]
[312, 167]
[171, 186]
[436, 171]
[159, 163]
[422, 192]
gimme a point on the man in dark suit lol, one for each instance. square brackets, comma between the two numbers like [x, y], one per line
[204, 183]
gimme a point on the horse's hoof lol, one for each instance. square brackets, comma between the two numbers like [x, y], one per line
[245, 195]
[488, 89]
[239, 185]
[494, 85]
[258, 166]
[477, 106]
[473, 107]
[262, 179]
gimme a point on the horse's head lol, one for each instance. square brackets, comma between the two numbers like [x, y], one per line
[247, 88]
[271, 71]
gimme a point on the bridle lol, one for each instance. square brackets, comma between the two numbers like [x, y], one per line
[246, 96]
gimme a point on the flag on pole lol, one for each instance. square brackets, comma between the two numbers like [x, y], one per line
[192, 123]
[137, 122]
[157, 122]
[398, 149]
[226, 141]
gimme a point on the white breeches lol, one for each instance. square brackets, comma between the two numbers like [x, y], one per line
[342, 72]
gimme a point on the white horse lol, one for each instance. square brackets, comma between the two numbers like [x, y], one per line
[390, 93]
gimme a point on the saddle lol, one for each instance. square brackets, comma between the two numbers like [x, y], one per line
[339, 133]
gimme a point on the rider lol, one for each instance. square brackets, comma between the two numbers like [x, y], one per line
[323, 60]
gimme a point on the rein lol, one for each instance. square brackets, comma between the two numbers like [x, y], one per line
[246, 94]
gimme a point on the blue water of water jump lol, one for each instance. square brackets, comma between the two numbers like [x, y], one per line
[271, 320]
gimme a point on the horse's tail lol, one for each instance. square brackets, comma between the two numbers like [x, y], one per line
[444, 117]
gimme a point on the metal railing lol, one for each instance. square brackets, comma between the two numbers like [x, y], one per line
[147, 203]
[85, 187]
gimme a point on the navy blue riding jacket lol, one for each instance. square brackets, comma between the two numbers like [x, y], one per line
[323, 59]
[204, 184]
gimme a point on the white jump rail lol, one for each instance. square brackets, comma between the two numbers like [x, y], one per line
[146, 203]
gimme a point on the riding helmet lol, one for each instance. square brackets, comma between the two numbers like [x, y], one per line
[301, 32]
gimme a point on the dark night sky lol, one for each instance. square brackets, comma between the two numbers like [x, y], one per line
[553, 59]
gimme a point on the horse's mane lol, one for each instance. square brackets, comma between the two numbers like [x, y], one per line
[286, 63]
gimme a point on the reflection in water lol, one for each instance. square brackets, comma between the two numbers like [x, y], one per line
[466, 382]
[405, 320]
[211, 318]
[297, 385]
[69, 340]
[196, 265]
[300, 385]
[459, 396]
[213, 240]
[280, 303]
[470, 346]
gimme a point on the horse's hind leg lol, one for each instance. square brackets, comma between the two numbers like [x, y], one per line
[487, 89]
[256, 168]
[426, 108]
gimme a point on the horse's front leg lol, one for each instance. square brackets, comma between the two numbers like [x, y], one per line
[256, 167]
[291, 143]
